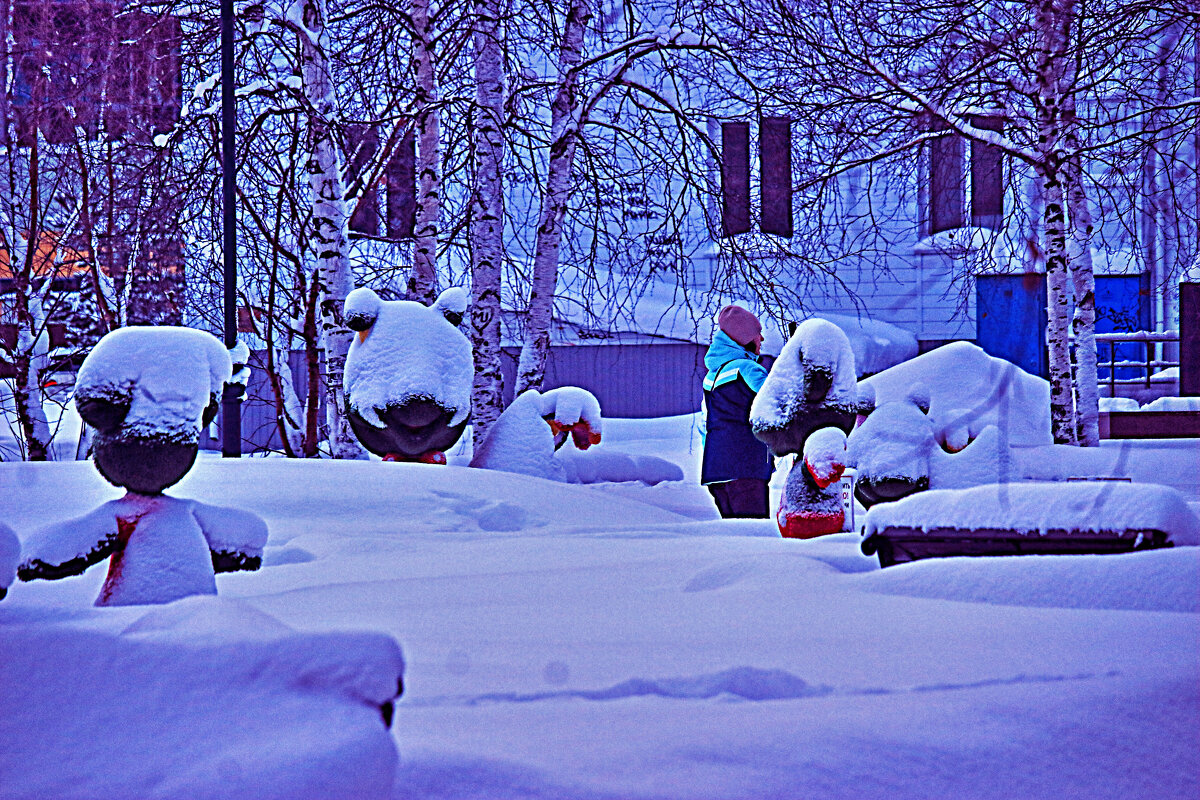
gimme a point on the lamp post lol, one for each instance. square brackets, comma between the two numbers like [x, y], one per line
[231, 396]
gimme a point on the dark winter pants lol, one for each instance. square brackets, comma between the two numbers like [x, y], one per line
[741, 498]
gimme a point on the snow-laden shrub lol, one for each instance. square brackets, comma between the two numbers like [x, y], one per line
[969, 390]
[896, 452]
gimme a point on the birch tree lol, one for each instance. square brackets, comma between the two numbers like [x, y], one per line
[422, 282]
[487, 213]
[629, 58]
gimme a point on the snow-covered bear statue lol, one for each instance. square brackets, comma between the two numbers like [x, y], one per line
[10, 553]
[535, 425]
[812, 386]
[147, 392]
[408, 375]
[896, 452]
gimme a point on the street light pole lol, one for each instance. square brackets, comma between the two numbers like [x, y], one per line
[231, 397]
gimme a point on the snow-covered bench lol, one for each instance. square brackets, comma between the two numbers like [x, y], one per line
[1029, 519]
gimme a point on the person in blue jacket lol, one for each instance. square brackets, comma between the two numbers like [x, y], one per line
[736, 466]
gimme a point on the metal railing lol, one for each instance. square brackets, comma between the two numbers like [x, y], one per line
[1153, 360]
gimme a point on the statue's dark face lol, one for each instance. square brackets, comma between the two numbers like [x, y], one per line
[415, 426]
[132, 457]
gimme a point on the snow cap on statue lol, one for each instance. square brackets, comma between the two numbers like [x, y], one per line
[739, 324]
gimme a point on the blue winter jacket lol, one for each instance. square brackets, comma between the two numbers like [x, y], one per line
[730, 449]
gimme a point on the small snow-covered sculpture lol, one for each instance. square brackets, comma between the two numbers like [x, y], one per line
[896, 453]
[812, 500]
[10, 553]
[408, 375]
[148, 391]
[810, 392]
[536, 424]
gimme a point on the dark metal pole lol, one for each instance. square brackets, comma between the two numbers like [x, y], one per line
[231, 397]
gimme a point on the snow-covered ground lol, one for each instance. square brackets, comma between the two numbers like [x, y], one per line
[606, 641]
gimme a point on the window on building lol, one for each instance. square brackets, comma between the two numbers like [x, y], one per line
[948, 175]
[401, 176]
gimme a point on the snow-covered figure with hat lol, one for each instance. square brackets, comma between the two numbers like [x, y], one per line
[148, 391]
[736, 466]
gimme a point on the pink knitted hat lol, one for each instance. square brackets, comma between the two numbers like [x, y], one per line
[739, 324]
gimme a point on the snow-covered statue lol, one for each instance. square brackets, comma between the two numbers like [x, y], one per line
[534, 426]
[896, 452]
[10, 553]
[811, 504]
[148, 392]
[812, 386]
[408, 375]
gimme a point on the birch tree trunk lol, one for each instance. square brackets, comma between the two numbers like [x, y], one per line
[1083, 322]
[564, 133]
[1079, 260]
[1053, 27]
[28, 356]
[422, 282]
[329, 219]
[487, 215]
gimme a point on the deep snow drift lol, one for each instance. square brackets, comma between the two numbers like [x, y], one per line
[617, 641]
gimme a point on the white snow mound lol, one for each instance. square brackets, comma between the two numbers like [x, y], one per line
[241, 710]
[969, 390]
[10, 553]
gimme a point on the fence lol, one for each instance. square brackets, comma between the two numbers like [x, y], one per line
[1121, 369]
[629, 380]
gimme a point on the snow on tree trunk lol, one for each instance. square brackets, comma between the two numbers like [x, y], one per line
[30, 358]
[564, 132]
[1052, 22]
[487, 215]
[29, 355]
[1083, 286]
[289, 412]
[422, 283]
[329, 217]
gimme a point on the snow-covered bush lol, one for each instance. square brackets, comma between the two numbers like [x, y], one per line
[408, 374]
[896, 453]
[148, 391]
[10, 553]
[205, 698]
[525, 437]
